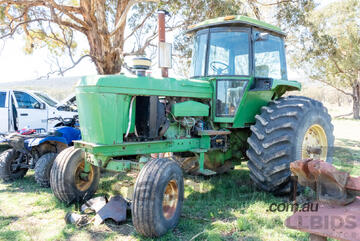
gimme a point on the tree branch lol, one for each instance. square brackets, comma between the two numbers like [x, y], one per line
[13, 29]
[273, 3]
[60, 71]
[59, 21]
[333, 86]
[140, 25]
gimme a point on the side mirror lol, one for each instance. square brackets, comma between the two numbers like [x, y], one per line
[42, 106]
[165, 55]
[262, 36]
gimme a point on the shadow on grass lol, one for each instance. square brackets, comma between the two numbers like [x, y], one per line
[9, 234]
[210, 204]
[212, 208]
[25, 185]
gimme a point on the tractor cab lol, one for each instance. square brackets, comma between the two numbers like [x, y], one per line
[239, 54]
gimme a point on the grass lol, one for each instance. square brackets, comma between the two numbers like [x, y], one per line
[226, 207]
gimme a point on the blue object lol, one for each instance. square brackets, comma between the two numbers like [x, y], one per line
[63, 134]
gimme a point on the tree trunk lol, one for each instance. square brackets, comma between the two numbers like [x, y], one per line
[105, 48]
[356, 100]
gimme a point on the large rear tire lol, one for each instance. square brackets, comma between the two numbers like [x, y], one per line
[286, 130]
[8, 160]
[158, 197]
[43, 168]
[65, 180]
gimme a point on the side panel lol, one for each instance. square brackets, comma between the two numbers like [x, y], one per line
[190, 108]
[4, 117]
[251, 106]
[104, 117]
[258, 96]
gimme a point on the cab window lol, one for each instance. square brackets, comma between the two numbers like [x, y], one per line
[228, 53]
[2, 99]
[199, 55]
[269, 57]
[229, 94]
[26, 101]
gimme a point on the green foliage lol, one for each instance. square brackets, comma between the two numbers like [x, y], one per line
[334, 51]
[328, 41]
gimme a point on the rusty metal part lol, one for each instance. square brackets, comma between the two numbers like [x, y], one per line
[77, 219]
[114, 209]
[162, 36]
[190, 165]
[94, 204]
[171, 199]
[338, 222]
[331, 185]
[314, 237]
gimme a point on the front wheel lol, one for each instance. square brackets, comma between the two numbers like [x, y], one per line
[158, 197]
[67, 180]
[11, 165]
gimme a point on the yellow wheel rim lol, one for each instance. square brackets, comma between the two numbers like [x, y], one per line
[81, 183]
[170, 201]
[315, 143]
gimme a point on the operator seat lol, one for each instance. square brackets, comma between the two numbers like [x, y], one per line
[262, 71]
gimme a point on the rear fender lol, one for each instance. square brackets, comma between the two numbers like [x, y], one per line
[69, 134]
[282, 86]
[37, 141]
[49, 146]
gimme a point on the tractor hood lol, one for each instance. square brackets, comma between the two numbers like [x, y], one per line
[135, 85]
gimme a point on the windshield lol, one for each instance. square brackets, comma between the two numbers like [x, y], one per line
[228, 53]
[46, 99]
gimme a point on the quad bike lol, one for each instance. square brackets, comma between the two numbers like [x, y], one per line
[233, 107]
[30, 149]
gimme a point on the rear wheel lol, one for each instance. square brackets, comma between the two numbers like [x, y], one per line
[66, 179]
[158, 197]
[43, 167]
[11, 167]
[288, 129]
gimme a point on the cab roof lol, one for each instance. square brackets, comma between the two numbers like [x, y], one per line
[233, 20]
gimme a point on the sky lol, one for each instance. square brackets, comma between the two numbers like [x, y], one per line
[15, 65]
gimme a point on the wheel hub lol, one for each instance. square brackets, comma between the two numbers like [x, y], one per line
[315, 143]
[83, 182]
[170, 201]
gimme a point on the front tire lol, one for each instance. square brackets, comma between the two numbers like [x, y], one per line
[8, 172]
[158, 197]
[280, 136]
[43, 168]
[65, 180]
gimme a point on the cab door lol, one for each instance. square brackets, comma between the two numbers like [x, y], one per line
[31, 112]
[4, 117]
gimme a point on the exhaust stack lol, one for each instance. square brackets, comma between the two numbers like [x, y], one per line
[164, 50]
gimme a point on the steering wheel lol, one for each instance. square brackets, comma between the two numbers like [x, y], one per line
[219, 70]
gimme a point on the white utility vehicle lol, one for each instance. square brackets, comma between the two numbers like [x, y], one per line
[29, 109]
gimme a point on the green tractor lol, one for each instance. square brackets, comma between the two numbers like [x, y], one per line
[230, 109]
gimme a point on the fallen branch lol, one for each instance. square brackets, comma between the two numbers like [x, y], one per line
[343, 115]
[197, 235]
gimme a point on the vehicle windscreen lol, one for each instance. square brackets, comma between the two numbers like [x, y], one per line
[47, 99]
[221, 52]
